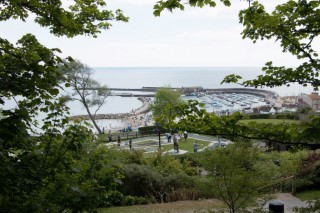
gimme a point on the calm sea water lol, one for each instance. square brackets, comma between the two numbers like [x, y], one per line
[207, 77]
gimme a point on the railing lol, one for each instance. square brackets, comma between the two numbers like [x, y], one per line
[131, 135]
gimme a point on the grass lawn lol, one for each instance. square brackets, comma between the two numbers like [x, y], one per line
[186, 145]
[308, 195]
[190, 206]
[183, 145]
[273, 121]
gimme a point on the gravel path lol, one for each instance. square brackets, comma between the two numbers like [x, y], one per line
[289, 201]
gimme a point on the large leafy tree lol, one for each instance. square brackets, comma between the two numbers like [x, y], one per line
[295, 25]
[29, 69]
[238, 174]
[165, 107]
[29, 76]
[85, 89]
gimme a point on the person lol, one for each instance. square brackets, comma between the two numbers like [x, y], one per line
[185, 135]
[130, 144]
[175, 143]
[195, 147]
[175, 140]
[110, 137]
[119, 139]
[177, 147]
[169, 137]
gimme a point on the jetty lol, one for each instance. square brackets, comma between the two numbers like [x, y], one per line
[190, 90]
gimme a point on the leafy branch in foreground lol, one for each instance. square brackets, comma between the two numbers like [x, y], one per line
[80, 18]
[195, 119]
[178, 4]
[295, 25]
[29, 76]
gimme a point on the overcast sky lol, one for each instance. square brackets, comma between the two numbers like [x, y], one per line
[207, 37]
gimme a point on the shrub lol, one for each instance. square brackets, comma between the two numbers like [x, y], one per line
[116, 198]
[290, 116]
[259, 116]
[155, 181]
[309, 175]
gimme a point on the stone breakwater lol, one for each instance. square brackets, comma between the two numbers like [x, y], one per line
[101, 116]
[141, 110]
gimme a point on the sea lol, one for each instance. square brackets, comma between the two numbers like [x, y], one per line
[206, 77]
[138, 77]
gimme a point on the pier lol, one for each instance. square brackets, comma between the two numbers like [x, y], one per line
[189, 90]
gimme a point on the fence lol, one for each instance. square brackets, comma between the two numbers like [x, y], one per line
[132, 135]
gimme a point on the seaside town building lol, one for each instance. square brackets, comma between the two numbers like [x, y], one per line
[313, 100]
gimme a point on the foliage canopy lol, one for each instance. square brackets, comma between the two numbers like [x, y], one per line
[29, 76]
[86, 90]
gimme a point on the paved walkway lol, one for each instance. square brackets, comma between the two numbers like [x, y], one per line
[154, 147]
[289, 201]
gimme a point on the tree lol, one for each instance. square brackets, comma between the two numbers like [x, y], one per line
[86, 90]
[294, 24]
[177, 4]
[30, 77]
[238, 174]
[165, 107]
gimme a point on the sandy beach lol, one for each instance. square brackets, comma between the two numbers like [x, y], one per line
[138, 117]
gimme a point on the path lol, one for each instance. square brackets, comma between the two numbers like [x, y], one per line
[154, 147]
[289, 201]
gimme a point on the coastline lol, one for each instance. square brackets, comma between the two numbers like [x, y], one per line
[136, 118]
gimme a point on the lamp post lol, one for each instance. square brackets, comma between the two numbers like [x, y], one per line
[158, 127]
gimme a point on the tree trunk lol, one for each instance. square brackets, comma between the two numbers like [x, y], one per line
[91, 117]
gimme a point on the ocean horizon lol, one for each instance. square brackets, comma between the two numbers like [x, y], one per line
[206, 77]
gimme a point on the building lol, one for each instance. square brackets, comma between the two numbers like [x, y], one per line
[266, 110]
[313, 100]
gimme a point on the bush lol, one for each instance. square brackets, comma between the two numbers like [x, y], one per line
[116, 198]
[151, 129]
[259, 116]
[290, 116]
[156, 181]
[309, 174]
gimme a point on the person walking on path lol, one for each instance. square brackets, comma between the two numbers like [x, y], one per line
[185, 135]
[130, 144]
[175, 143]
[175, 139]
[110, 137]
[119, 139]
[177, 146]
[195, 147]
[169, 137]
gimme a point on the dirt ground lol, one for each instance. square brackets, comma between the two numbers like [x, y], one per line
[198, 206]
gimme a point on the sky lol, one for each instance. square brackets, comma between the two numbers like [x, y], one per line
[207, 37]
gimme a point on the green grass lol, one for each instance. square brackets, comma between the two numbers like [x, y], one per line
[186, 145]
[273, 121]
[183, 145]
[308, 195]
